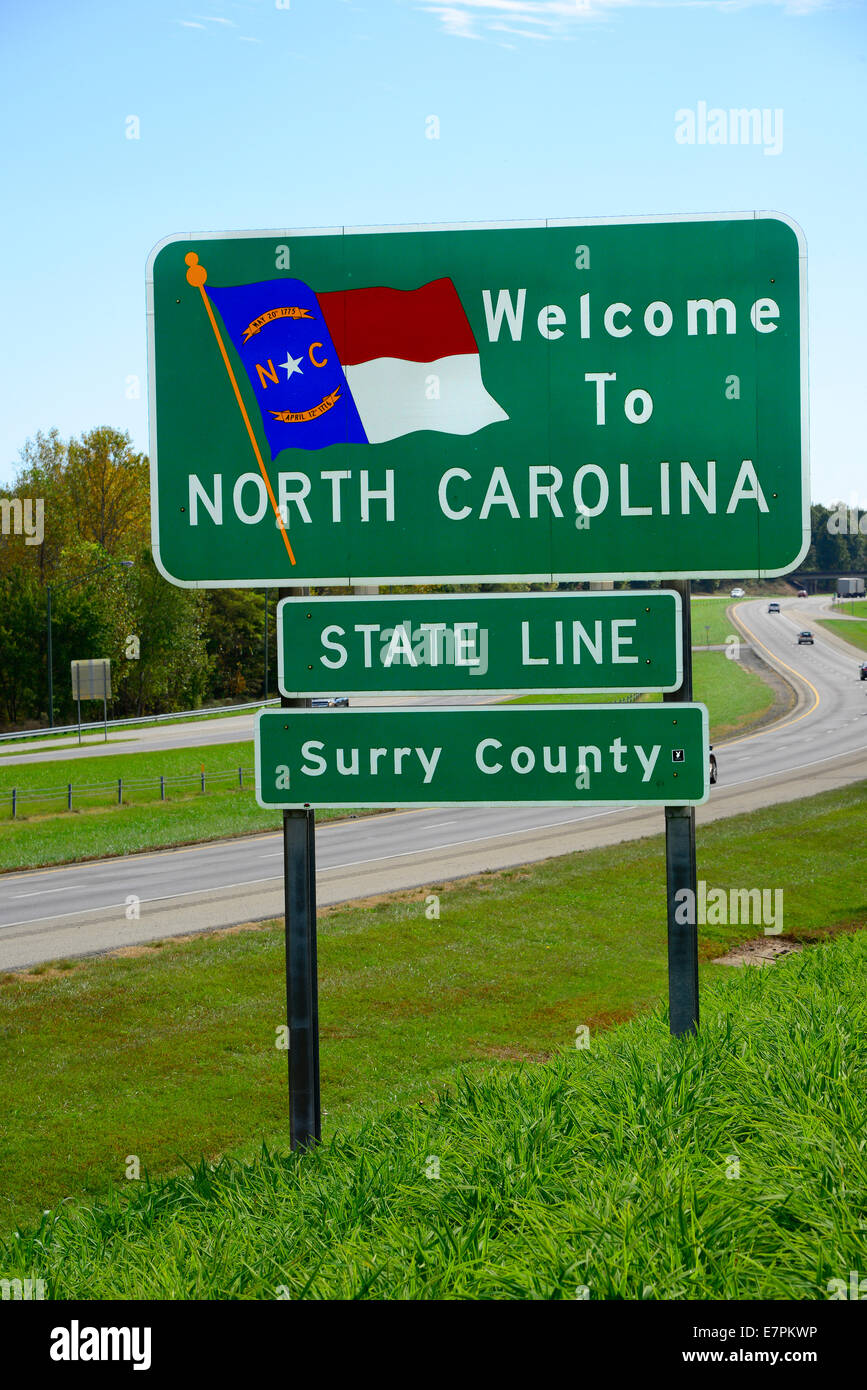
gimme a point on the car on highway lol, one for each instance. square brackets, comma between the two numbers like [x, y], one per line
[773, 608]
[330, 702]
[713, 773]
[802, 593]
[805, 638]
[864, 670]
[737, 593]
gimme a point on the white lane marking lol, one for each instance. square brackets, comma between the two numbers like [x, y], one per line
[41, 891]
[167, 898]
[159, 855]
[437, 825]
[478, 839]
[224, 887]
[769, 776]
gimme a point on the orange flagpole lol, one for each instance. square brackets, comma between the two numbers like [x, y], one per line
[196, 276]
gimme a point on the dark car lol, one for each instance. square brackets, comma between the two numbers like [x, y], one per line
[712, 767]
[805, 638]
[802, 593]
[864, 670]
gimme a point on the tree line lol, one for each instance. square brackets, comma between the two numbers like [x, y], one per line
[170, 648]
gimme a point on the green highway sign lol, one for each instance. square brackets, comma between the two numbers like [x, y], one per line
[628, 640]
[520, 402]
[494, 755]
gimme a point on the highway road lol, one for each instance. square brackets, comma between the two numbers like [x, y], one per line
[191, 733]
[85, 908]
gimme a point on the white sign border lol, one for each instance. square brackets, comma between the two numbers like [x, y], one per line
[479, 686]
[626, 710]
[525, 578]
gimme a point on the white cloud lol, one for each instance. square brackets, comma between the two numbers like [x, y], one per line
[522, 33]
[472, 19]
[189, 24]
[455, 22]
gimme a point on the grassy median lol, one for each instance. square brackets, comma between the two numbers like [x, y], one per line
[735, 697]
[168, 1053]
[853, 631]
[98, 825]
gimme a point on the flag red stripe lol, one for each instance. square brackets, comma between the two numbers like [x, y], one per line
[417, 325]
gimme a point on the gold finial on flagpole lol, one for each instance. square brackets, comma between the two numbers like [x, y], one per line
[196, 275]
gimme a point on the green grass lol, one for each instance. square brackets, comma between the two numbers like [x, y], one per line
[856, 607]
[131, 767]
[66, 839]
[735, 698]
[854, 632]
[730, 1165]
[711, 611]
[61, 839]
[170, 1053]
[97, 826]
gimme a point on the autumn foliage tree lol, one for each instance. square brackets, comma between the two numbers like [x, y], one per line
[95, 510]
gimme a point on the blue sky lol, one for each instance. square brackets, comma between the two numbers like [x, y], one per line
[266, 114]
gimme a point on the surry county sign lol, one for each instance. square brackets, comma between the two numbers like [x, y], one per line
[551, 401]
[500, 755]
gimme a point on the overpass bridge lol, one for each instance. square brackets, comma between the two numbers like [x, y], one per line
[816, 581]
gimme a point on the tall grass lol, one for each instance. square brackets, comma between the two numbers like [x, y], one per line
[731, 1165]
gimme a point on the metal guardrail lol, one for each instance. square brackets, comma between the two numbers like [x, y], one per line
[60, 730]
[115, 789]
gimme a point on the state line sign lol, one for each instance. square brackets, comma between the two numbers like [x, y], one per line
[523, 755]
[545, 401]
[629, 640]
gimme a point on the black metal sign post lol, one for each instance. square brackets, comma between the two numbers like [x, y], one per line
[302, 1004]
[680, 870]
[302, 986]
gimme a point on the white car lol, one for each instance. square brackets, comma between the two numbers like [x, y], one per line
[737, 593]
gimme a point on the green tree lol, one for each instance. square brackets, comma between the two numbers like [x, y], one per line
[234, 639]
[22, 668]
[164, 625]
[94, 489]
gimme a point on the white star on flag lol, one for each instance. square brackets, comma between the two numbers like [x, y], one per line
[292, 365]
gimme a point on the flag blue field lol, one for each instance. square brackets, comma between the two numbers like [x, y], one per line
[279, 333]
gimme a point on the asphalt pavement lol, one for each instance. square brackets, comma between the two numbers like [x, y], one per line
[102, 905]
[191, 733]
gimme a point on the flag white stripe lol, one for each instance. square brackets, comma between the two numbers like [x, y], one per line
[396, 397]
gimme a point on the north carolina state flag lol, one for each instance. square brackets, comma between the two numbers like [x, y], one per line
[356, 366]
